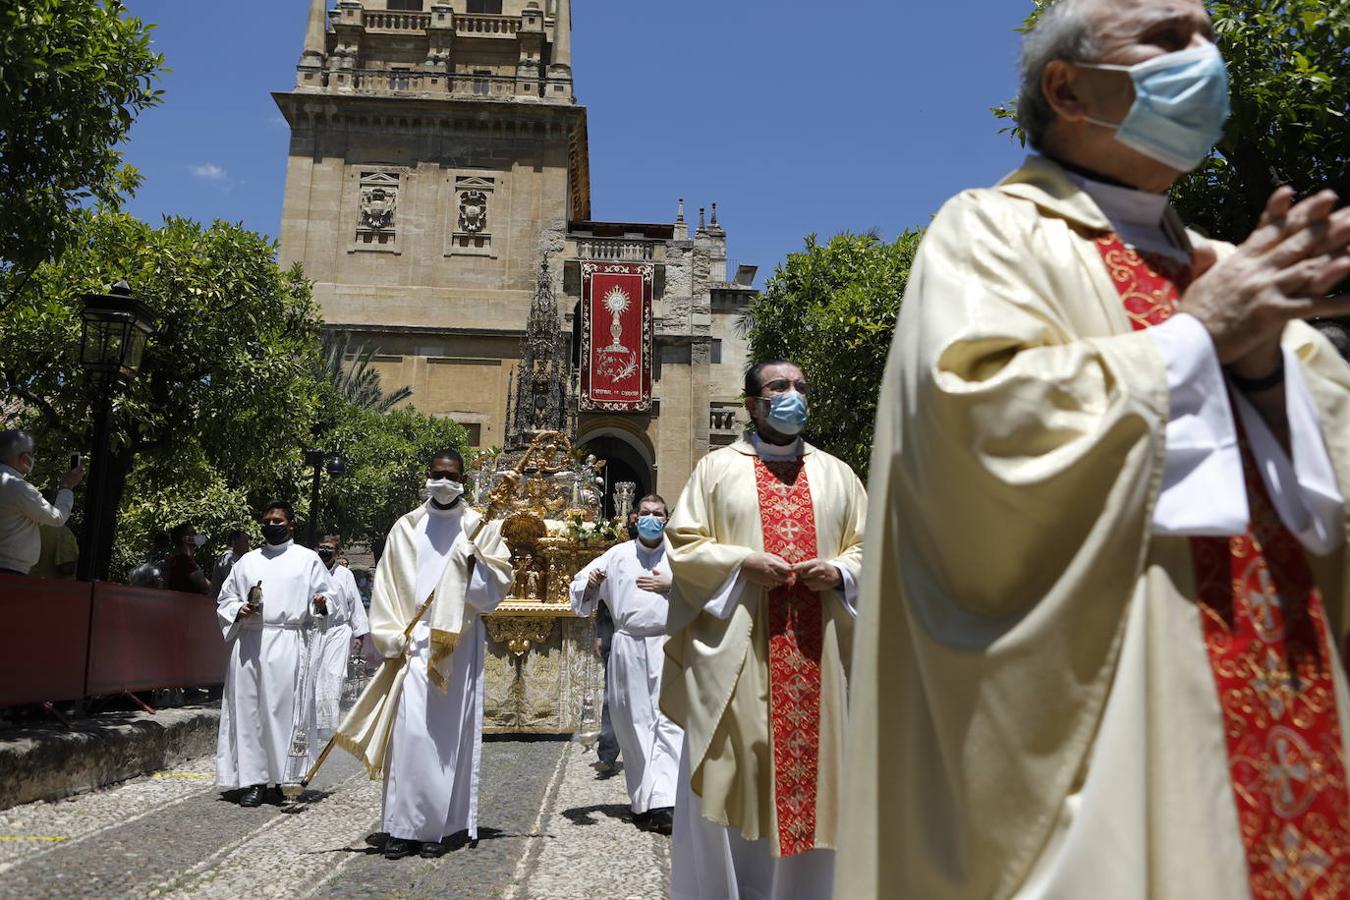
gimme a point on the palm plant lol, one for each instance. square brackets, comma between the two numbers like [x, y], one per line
[356, 381]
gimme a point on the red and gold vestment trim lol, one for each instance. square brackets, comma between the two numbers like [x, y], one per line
[788, 521]
[1266, 638]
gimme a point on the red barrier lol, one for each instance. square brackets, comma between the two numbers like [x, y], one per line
[43, 639]
[145, 638]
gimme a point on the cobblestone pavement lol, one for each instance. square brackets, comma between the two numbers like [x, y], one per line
[548, 828]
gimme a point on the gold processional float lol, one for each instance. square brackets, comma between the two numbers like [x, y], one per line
[541, 674]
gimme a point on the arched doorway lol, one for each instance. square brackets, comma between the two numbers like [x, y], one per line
[623, 462]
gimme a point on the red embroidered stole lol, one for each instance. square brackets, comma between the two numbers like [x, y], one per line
[789, 525]
[1266, 636]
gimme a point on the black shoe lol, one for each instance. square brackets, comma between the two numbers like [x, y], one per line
[661, 821]
[432, 850]
[397, 848]
[377, 839]
[274, 796]
[252, 797]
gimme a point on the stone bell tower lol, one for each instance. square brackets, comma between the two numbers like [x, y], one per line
[437, 153]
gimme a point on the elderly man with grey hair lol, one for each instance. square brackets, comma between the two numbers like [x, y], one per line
[22, 507]
[1098, 647]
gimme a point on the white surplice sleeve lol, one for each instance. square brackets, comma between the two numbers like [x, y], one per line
[233, 594]
[1203, 489]
[359, 620]
[483, 594]
[1202, 479]
[583, 600]
[1303, 488]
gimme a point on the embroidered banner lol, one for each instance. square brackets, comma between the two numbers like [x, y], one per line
[616, 337]
[1267, 640]
[795, 635]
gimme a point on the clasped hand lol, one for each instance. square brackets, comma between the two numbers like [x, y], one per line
[1280, 273]
[771, 571]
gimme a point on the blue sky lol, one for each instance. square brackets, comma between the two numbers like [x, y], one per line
[795, 117]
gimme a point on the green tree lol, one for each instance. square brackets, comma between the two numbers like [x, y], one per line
[386, 456]
[832, 309]
[1290, 93]
[225, 397]
[74, 74]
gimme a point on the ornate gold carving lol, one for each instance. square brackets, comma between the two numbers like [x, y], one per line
[518, 632]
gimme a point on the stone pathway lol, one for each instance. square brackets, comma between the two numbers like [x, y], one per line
[549, 828]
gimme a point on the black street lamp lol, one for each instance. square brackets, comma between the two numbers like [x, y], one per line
[113, 333]
[336, 468]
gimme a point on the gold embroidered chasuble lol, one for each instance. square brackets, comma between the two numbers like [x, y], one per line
[366, 729]
[716, 683]
[1017, 592]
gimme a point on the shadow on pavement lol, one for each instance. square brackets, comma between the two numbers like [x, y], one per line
[585, 815]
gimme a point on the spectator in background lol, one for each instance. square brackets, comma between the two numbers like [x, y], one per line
[22, 508]
[184, 573]
[153, 573]
[238, 540]
[60, 551]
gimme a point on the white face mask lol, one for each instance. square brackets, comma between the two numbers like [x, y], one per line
[443, 490]
[198, 540]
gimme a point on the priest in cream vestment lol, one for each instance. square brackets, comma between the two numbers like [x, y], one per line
[1097, 651]
[765, 549]
[419, 724]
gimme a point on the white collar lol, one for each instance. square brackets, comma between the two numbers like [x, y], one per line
[1135, 215]
[775, 451]
[276, 549]
[456, 510]
[10, 470]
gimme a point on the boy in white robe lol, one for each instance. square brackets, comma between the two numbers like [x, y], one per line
[633, 578]
[339, 634]
[268, 599]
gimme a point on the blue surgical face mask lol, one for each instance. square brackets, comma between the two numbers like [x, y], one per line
[1180, 104]
[650, 527]
[787, 413]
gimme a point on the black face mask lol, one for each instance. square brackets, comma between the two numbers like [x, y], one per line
[278, 533]
[326, 554]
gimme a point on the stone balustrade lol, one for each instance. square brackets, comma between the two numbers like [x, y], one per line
[487, 26]
[386, 20]
[616, 249]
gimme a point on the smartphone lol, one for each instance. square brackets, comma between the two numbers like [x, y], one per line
[75, 460]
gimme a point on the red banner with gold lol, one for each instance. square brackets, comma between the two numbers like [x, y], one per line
[616, 337]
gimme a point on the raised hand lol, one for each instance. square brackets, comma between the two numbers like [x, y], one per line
[1281, 272]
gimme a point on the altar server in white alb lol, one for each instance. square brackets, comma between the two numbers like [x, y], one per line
[339, 635]
[633, 579]
[420, 722]
[272, 594]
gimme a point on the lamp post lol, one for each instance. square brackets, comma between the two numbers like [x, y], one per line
[113, 333]
[336, 468]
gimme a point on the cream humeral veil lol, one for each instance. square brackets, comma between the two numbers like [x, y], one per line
[716, 678]
[365, 730]
[1018, 454]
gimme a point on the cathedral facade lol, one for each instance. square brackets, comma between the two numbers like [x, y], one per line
[438, 186]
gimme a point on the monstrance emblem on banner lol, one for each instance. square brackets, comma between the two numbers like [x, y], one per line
[616, 373]
[617, 362]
